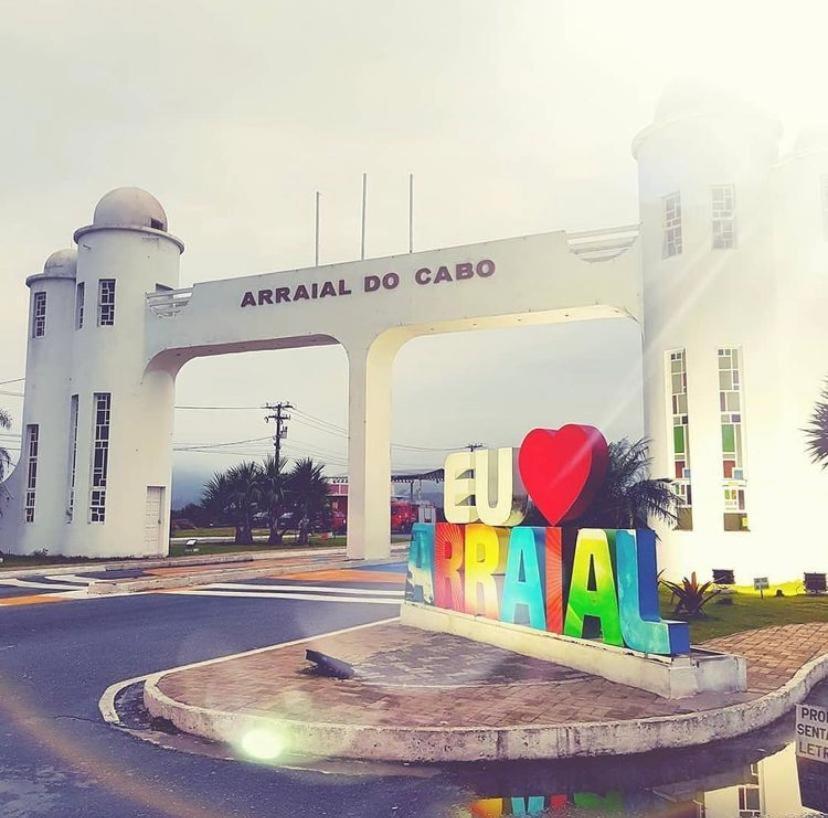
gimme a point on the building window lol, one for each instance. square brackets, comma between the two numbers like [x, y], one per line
[732, 419]
[39, 315]
[672, 225]
[724, 217]
[79, 296]
[101, 405]
[32, 444]
[680, 431]
[73, 455]
[106, 302]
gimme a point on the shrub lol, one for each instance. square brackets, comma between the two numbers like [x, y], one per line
[691, 596]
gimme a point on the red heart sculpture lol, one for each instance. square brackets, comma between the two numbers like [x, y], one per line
[562, 469]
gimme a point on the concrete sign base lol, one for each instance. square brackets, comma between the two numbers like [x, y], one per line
[676, 677]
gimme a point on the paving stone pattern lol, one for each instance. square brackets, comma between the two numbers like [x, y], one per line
[451, 681]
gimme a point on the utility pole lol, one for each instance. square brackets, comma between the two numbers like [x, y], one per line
[278, 414]
[473, 446]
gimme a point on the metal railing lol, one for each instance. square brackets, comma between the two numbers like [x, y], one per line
[604, 244]
[168, 303]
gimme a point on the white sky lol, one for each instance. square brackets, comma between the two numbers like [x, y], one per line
[516, 117]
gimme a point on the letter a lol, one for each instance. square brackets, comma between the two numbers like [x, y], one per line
[593, 560]
[524, 577]
[419, 580]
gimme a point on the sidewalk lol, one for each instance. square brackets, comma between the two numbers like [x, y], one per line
[141, 566]
[423, 696]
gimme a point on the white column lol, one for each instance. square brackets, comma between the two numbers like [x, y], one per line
[369, 449]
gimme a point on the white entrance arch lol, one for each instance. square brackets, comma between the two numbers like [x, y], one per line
[513, 282]
[101, 378]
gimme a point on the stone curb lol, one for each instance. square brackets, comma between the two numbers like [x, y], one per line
[127, 564]
[444, 744]
[144, 584]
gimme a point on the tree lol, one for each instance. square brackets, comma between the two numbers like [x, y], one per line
[273, 485]
[234, 495]
[817, 432]
[628, 497]
[5, 457]
[308, 491]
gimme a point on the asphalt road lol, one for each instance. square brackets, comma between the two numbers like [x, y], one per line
[58, 758]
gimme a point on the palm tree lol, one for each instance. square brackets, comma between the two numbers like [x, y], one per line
[234, 495]
[628, 497]
[5, 457]
[273, 485]
[308, 490]
[817, 432]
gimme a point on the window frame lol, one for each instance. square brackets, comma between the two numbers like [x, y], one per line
[724, 217]
[681, 486]
[72, 464]
[39, 314]
[106, 308]
[733, 489]
[80, 298]
[672, 225]
[99, 467]
[32, 443]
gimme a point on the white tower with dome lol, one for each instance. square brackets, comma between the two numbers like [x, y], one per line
[86, 360]
[734, 243]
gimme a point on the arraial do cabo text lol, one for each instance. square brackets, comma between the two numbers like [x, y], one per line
[332, 288]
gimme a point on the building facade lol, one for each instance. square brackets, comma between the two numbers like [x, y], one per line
[725, 274]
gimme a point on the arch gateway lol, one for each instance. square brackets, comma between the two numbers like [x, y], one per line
[725, 274]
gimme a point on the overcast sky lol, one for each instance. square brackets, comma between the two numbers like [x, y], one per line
[516, 117]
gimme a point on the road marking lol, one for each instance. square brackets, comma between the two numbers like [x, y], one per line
[328, 589]
[306, 597]
[349, 575]
[34, 599]
[106, 704]
[73, 578]
[27, 583]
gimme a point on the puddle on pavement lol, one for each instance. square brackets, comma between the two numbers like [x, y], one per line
[756, 776]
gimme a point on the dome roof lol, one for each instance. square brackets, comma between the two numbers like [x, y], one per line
[687, 97]
[62, 263]
[129, 207]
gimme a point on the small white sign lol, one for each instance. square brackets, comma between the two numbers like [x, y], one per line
[812, 732]
[761, 584]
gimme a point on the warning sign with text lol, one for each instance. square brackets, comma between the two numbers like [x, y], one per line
[812, 732]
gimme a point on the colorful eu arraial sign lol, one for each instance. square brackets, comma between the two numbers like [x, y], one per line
[586, 583]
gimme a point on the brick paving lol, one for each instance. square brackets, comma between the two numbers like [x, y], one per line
[419, 679]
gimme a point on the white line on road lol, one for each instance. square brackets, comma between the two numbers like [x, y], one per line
[26, 583]
[243, 586]
[304, 597]
[73, 578]
[106, 704]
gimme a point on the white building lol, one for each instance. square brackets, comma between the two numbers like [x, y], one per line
[725, 274]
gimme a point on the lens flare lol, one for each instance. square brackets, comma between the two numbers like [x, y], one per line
[262, 744]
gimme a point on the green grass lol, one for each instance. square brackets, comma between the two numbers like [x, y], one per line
[188, 533]
[12, 562]
[177, 548]
[749, 612]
